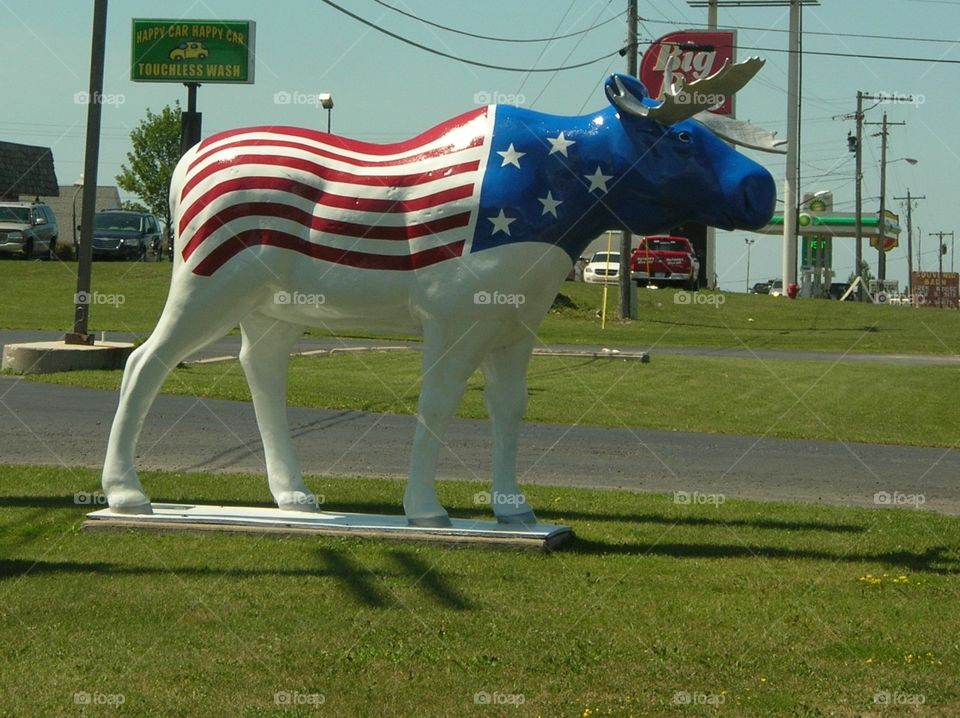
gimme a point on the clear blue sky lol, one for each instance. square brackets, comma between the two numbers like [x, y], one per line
[385, 90]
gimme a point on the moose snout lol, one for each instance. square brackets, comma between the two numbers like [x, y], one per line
[756, 199]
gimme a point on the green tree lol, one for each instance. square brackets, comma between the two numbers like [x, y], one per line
[156, 151]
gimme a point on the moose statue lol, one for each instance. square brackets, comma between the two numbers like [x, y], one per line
[462, 235]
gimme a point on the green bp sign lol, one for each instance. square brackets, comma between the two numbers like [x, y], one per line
[193, 51]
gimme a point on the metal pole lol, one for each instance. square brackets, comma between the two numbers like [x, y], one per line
[626, 238]
[749, 245]
[881, 237]
[910, 200]
[858, 271]
[711, 234]
[789, 263]
[80, 334]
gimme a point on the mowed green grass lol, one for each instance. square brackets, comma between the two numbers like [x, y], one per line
[875, 403]
[40, 296]
[742, 609]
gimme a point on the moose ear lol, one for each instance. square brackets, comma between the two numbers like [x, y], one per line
[628, 94]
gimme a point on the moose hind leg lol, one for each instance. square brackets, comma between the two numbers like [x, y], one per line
[505, 394]
[146, 369]
[265, 357]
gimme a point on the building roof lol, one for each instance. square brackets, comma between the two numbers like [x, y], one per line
[26, 170]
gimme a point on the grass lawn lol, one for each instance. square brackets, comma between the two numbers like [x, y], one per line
[657, 609]
[44, 300]
[787, 399]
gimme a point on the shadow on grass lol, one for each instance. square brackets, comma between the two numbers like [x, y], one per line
[936, 559]
[394, 509]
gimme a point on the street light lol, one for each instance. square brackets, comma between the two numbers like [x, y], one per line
[326, 102]
[749, 242]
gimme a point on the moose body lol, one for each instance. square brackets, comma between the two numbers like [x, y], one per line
[462, 235]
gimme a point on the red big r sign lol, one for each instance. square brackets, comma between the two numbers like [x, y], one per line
[691, 54]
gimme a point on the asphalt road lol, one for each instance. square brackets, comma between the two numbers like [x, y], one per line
[229, 346]
[48, 424]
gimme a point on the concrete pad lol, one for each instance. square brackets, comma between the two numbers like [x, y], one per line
[250, 519]
[49, 357]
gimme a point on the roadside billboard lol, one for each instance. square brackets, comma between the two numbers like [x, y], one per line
[693, 54]
[203, 51]
[927, 287]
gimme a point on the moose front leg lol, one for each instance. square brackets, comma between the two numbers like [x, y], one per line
[449, 358]
[505, 394]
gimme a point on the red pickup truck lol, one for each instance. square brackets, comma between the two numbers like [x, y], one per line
[665, 259]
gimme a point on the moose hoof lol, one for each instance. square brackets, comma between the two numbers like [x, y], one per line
[298, 501]
[527, 518]
[431, 522]
[129, 503]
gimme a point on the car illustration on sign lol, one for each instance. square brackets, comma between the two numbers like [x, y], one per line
[189, 51]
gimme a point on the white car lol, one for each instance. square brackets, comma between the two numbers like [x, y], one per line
[603, 268]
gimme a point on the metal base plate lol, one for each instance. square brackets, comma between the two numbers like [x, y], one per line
[250, 519]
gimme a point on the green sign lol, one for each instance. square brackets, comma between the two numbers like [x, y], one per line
[817, 251]
[192, 51]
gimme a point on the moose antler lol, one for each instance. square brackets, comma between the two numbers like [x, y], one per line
[741, 132]
[682, 101]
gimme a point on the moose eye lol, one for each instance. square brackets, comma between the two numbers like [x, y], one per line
[684, 136]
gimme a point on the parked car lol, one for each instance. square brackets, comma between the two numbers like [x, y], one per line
[120, 234]
[762, 287]
[28, 229]
[665, 259]
[837, 290]
[603, 268]
[776, 288]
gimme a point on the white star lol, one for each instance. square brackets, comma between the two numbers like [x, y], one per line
[501, 223]
[511, 157]
[549, 203]
[559, 144]
[598, 180]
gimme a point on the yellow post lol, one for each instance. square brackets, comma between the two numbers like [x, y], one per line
[606, 285]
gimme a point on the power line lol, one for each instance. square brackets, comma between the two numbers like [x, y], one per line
[497, 39]
[825, 34]
[395, 36]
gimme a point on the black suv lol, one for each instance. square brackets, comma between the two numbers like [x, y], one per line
[27, 229]
[121, 234]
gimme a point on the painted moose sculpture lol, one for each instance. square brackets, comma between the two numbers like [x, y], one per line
[463, 235]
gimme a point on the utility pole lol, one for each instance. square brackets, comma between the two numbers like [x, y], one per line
[88, 204]
[859, 199]
[789, 259]
[749, 243]
[941, 250]
[910, 199]
[626, 238]
[881, 238]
